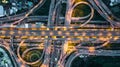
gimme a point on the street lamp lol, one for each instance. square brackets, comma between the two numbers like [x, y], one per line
[4, 1]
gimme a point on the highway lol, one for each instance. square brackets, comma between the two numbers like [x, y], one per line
[45, 18]
[103, 13]
[47, 58]
[67, 32]
[56, 38]
[24, 15]
[52, 6]
[68, 11]
[87, 53]
[90, 15]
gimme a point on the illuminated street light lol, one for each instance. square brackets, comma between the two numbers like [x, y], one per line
[4, 1]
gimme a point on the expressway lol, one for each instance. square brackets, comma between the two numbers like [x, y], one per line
[24, 15]
[45, 18]
[68, 11]
[108, 10]
[103, 13]
[55, 53]
[52, 6]
[90, 15]
[62, 31]
[47, 56]
[87, 53]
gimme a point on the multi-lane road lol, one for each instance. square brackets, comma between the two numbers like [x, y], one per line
[54, 52]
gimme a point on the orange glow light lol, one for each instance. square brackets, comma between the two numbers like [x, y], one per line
[91, 49]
